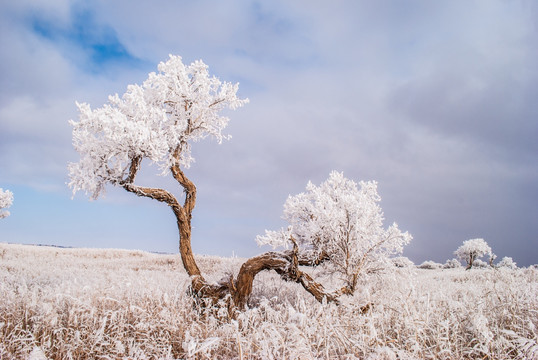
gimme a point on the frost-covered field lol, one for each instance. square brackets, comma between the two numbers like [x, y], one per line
[119, 304]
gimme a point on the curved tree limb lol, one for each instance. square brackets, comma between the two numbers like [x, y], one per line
[285, 263]
[183, 216]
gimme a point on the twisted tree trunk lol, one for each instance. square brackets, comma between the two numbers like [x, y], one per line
[286, 263]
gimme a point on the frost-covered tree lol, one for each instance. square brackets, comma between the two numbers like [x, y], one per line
[160, 119]
[6, 200]
[340, 223]
[471, 250]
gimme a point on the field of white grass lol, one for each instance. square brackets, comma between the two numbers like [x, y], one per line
[120, 304]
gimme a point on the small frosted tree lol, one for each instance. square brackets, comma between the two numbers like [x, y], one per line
[471, 250]
[6, 200]
[340, 223]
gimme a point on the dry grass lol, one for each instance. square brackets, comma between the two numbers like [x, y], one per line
[119, 304]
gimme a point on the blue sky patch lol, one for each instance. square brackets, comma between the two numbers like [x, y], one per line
[89, 44]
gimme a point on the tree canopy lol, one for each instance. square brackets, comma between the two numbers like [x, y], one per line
[157, 120]
[6, 200]
[341, 222]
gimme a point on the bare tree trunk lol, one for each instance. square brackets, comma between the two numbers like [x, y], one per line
[286, 263]
[472, 257]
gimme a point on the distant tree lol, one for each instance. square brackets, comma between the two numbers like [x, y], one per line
[6, 200]
[471, 250]
[336, 223]
[507, 262]
[339, 222]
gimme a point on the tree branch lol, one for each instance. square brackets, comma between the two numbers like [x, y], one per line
[184, 226]
[283, 263]
[152, 193]
[133, 169]
[188, 186]
[306, 259]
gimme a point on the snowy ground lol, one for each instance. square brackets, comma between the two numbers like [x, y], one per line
[119, 304]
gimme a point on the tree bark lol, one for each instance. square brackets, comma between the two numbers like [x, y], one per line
[284, 264]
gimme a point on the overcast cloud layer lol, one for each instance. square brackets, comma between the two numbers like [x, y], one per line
[437, 101]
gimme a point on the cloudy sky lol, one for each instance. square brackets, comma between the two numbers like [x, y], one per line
[436, 100]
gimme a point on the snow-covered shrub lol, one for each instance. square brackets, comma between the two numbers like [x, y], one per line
[402, 262]
[507, 262]
[6, 200]
[339, 223]
[430, 265]
[452, 264]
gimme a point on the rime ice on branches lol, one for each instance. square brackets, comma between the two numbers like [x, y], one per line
[6, 200]
[341, 223]
[158, 120]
